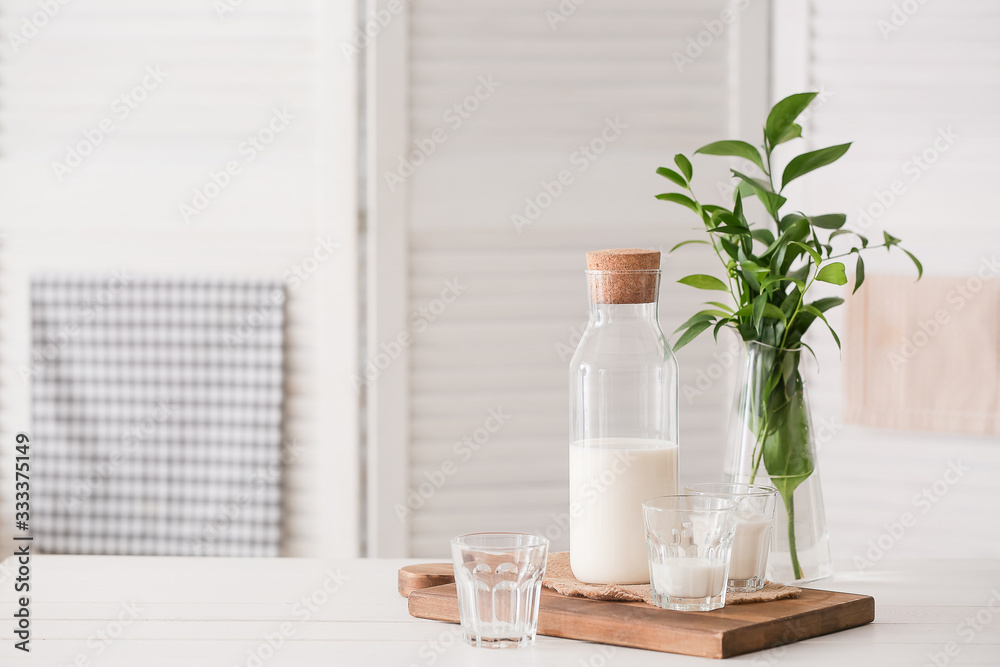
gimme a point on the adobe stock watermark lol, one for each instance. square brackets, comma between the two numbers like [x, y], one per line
[794, 631]
[375, 22]
[722, 361]
[966, 631]
[432, 650]
[580, 160]
[714, 29]
[130, 441]
[914, 169]
[264, 312]
[420, 319]
[304, 609]
[34, 23]
[568, 349]
[562, 13]
[923, 502]
[899, 16]
[588, 493]
[87, 311]
[262, 478]
[957, 298]
[247, 151]
[224, 8]
[453, 118]
[462, 451]
[121, 108]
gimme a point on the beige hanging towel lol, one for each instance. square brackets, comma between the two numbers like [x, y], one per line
[924, 355]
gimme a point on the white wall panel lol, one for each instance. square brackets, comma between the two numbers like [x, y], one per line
[505, 341]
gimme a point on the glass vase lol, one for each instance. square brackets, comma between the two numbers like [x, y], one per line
[771, 441]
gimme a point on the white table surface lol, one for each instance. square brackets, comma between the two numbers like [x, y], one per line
[145, 612]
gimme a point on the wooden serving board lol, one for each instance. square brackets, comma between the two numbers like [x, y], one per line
[723, 633]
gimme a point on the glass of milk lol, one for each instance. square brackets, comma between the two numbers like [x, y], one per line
[499, 580]
[689, 541]
[754, 521]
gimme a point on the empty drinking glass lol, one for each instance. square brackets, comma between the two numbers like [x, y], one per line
[754, 521]
[689, 539]
[499, 580]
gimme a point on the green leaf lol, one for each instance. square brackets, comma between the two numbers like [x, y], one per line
[730, 229]
[673, 176]
[783, 114]
[689, 242]
[701, 281]
[758, 310]
[763, 235]
[719, 305]
[719, 325]
[829, 221]
[691, 334]
[702, 316]
[817, 260]
[916, 262]
[794, 131]
[772, 311]
[833, 273]
[803, 164]
[678, 198]
[744, 190]
[859, 273]
[826, 303]
[772, 201]
[890, 240]
[782, 279]
[790, 219]
[684, 165]
[814, 311]
[728, 218]
[733, 148]
[729, 248]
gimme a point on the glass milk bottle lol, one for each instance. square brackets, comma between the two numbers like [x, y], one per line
[623, 418]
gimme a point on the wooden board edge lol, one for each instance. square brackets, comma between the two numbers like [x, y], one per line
[426, 575]
[855, 612]
[439, 604]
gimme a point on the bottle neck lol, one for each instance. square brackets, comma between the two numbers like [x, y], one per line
[605, 314]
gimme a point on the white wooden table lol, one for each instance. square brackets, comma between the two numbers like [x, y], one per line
[146, 612]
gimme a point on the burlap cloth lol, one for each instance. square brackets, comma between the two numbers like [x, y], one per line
[559, 577]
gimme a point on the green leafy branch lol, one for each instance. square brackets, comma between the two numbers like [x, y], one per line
[769, 270]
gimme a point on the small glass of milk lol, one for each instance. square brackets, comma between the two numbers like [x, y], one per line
[689, 541]
[754, 520]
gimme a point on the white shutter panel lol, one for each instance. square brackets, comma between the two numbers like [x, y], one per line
[504, 343]
[917, 91]
[268, 69]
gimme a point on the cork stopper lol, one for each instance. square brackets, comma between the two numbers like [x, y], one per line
[631, 275]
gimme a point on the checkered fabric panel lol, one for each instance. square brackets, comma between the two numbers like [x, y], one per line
[156, 413]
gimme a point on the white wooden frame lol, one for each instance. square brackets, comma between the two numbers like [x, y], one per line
[750, 69]
[338, 428]
[789, 65]
[387, 295]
